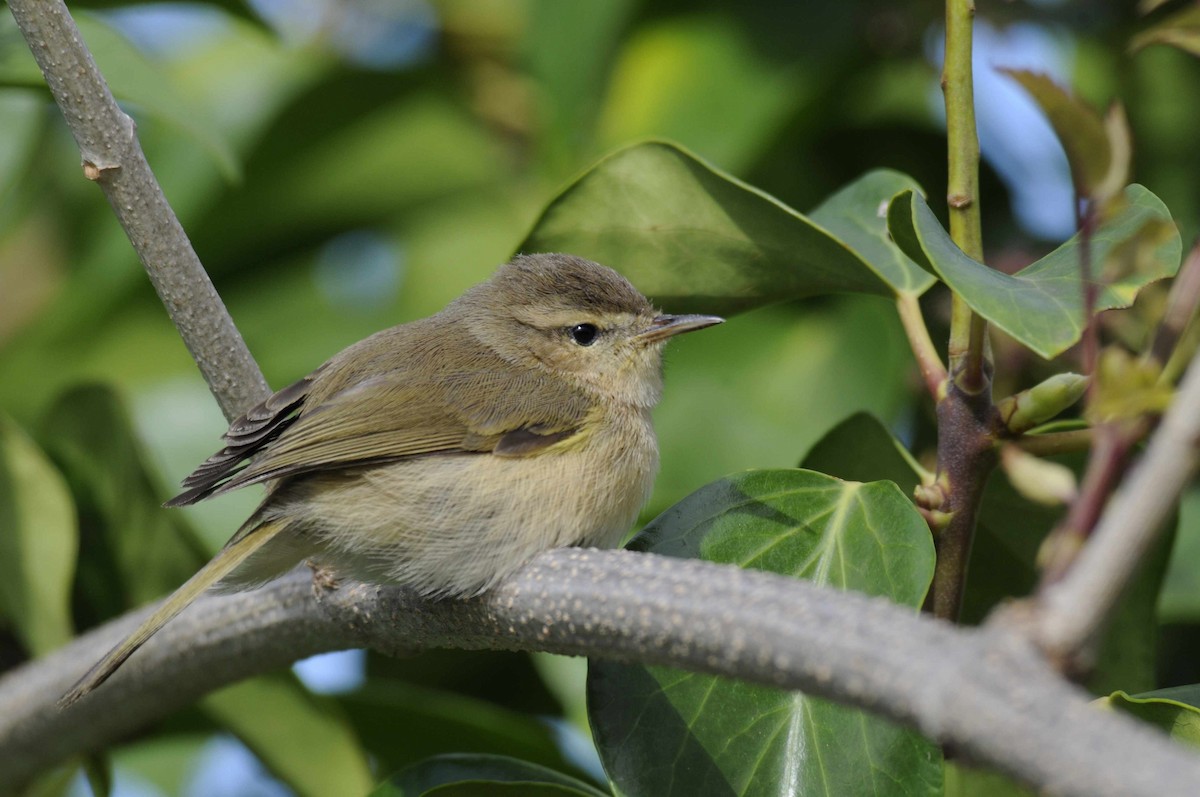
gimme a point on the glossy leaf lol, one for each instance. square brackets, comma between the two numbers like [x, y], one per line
[38, 543]
[465, 771]
[666, 732]
[695, 238]
[857, 215]
[1176, 710]
[1042, 305]
[304, 739]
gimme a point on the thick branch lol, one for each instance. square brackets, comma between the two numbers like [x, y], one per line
[113, 158]
[986, 692]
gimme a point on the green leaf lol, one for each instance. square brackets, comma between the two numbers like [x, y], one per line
[695, 238]
[463, 770]
[400, 723]
[132, 550]
[1180, 598]
[302, 738]
[38, 543]
[1098, 153]
[964, 780]
[666, 732]
[1175, 710]
[860, 448]
[857, 215]
[678, 73]
[1042, 305]
[1003, 565]
[136, 82]
[1181, 30]
[501, 789]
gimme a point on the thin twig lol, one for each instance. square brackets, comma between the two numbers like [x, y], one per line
[1069, 613]
[987, 693]
[113, 158]
[968, 331]
[932, 370]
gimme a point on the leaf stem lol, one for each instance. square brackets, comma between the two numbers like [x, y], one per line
[928, 360]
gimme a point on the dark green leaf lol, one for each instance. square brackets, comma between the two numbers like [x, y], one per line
[400, 724]
[304, 739]
[1042, 305]
[133, 550]
[38, 543]
[1175, 710]
[666, 732]
[426, 776]
[1003, 566]
[861, 448]
[500, 789]
[695, 238]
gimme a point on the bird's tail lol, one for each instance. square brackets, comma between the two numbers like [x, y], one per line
[240, 548]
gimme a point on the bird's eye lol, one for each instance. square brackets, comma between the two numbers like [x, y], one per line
[584, 334]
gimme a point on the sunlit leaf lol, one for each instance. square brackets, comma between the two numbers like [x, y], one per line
[302, 738]
[675, 76]
[666, 732]
[1042, 305]
[38, 543]
[693, 237]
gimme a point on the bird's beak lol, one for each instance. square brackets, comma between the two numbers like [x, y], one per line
[668, 326]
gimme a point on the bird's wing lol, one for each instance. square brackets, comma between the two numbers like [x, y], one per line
[348, 413]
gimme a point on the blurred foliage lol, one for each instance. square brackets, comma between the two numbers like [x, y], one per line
[345, 171]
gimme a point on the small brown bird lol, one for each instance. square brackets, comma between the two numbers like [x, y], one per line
[444, 453]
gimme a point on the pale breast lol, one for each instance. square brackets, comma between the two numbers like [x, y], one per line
[457, 524]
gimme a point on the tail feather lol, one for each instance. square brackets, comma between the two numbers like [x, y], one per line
[236, 551]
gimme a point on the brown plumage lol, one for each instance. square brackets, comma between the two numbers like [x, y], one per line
[443, 453]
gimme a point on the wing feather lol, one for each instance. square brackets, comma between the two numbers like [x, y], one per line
[421, 388]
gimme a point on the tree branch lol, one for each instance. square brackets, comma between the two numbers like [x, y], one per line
[988, 693]
[113, 158]
[968, 330]
[1070, 612]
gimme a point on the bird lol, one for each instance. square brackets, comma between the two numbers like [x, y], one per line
[444, 453]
